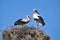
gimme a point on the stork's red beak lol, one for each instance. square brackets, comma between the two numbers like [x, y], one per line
[29, 18]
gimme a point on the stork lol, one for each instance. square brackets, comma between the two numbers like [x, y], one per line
[22, 21]
[38, 18]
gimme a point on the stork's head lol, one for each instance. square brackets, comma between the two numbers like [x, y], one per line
[28, 17]
[34, 10]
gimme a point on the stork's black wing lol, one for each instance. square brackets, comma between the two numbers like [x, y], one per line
[41, 20]
[17, 22]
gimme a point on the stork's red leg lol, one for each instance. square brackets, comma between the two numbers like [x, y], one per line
[22, 25]
[37, 25]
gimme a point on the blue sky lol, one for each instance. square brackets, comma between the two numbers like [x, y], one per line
[12, 10]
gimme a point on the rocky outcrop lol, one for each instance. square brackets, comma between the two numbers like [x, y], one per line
[25, 33]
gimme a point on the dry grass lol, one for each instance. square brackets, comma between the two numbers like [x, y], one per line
[25, 33]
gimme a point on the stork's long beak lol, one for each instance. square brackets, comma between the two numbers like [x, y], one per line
[29, 18]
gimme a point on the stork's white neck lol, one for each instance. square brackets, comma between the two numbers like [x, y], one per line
[36, 14]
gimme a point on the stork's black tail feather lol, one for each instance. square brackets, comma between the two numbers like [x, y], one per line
[43, 23]
[15, 24]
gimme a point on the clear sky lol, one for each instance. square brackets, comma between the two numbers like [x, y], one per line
[12, 10]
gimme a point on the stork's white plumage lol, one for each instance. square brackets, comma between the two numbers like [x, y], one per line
[38, 18]
[22, 21]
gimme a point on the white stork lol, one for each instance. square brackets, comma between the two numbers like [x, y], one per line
[22, 21]
[37, 17]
